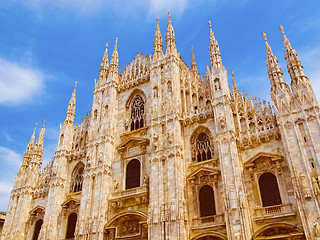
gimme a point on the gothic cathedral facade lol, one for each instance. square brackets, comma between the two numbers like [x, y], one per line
[166, 154]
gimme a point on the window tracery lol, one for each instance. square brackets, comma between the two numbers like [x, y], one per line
[77, 179]
[203, 148]
[137, 113]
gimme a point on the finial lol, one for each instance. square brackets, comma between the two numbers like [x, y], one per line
[106, 45]
[265, 37]
[35, 127]
[75, 86]
[210, 25]
[157, 20]
[169, 14]
[115, 46]
[192, 52]
[282, 30]
[43, 122]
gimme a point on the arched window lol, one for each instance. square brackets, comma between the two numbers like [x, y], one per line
[133, 174]
[77, 179]
[203, 148]
[37, 229]
[206, 199]
[71, 227]
[269, 190]
[137, 113]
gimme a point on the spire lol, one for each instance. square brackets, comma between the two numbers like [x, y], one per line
[157, 43]
[193, 63]
[104, 66]
[40, 140]
[274, 71]
[234, 87]
[30, 148]
[105, 60]
[214, 51]
[170, 38]
[114, 63]
[71, 107]
[295, 69]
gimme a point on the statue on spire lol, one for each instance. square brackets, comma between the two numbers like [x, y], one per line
[274, 71]
[104, 67]
[214, 51]
[157, 43]
[193, 63]
[170, 38]
[114, 63]
[295, 68]
[71, 108]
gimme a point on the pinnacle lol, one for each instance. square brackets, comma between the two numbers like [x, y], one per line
[282, 30]
[233, 80]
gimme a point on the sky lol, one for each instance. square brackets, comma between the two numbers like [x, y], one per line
[48, 45]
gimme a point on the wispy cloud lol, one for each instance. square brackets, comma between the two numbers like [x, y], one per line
[19, 84]
[153, 7]
[10, 157]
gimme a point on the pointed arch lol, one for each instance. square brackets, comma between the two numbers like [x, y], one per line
[136, 105]
[77, 178]
[210, 235]
[279, 229]
[201, 144]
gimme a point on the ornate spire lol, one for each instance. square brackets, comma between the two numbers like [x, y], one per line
[104, 66]
[157, 43]
[295, 69]
[40, 140]
[30, 148]
[170, 38]
[274, 71]
[234, 87]
[105, 60]
[71, 107]
[193, 63]
[214, 51]
[114, 64]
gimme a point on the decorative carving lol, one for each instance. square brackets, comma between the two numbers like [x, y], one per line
[316, 187]
[316, 228]
[304, 184]
[222, 121]
[129, 226]
[115, 186]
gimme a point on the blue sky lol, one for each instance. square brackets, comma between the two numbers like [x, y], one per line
[47, 45]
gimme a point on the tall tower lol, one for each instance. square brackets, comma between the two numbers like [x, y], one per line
[58, 186]
[296, 113]
[101, 150]
[237, 216]
[167, 201]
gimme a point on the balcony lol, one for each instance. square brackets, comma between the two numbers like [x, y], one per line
[273, 212]
[214, 221]
[130, 197]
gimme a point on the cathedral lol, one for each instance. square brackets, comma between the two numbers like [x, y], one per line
[168, 154]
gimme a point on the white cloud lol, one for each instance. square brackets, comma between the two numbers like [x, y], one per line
[154, 7]
[6, 187]
[10, 157]
[19, 84]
